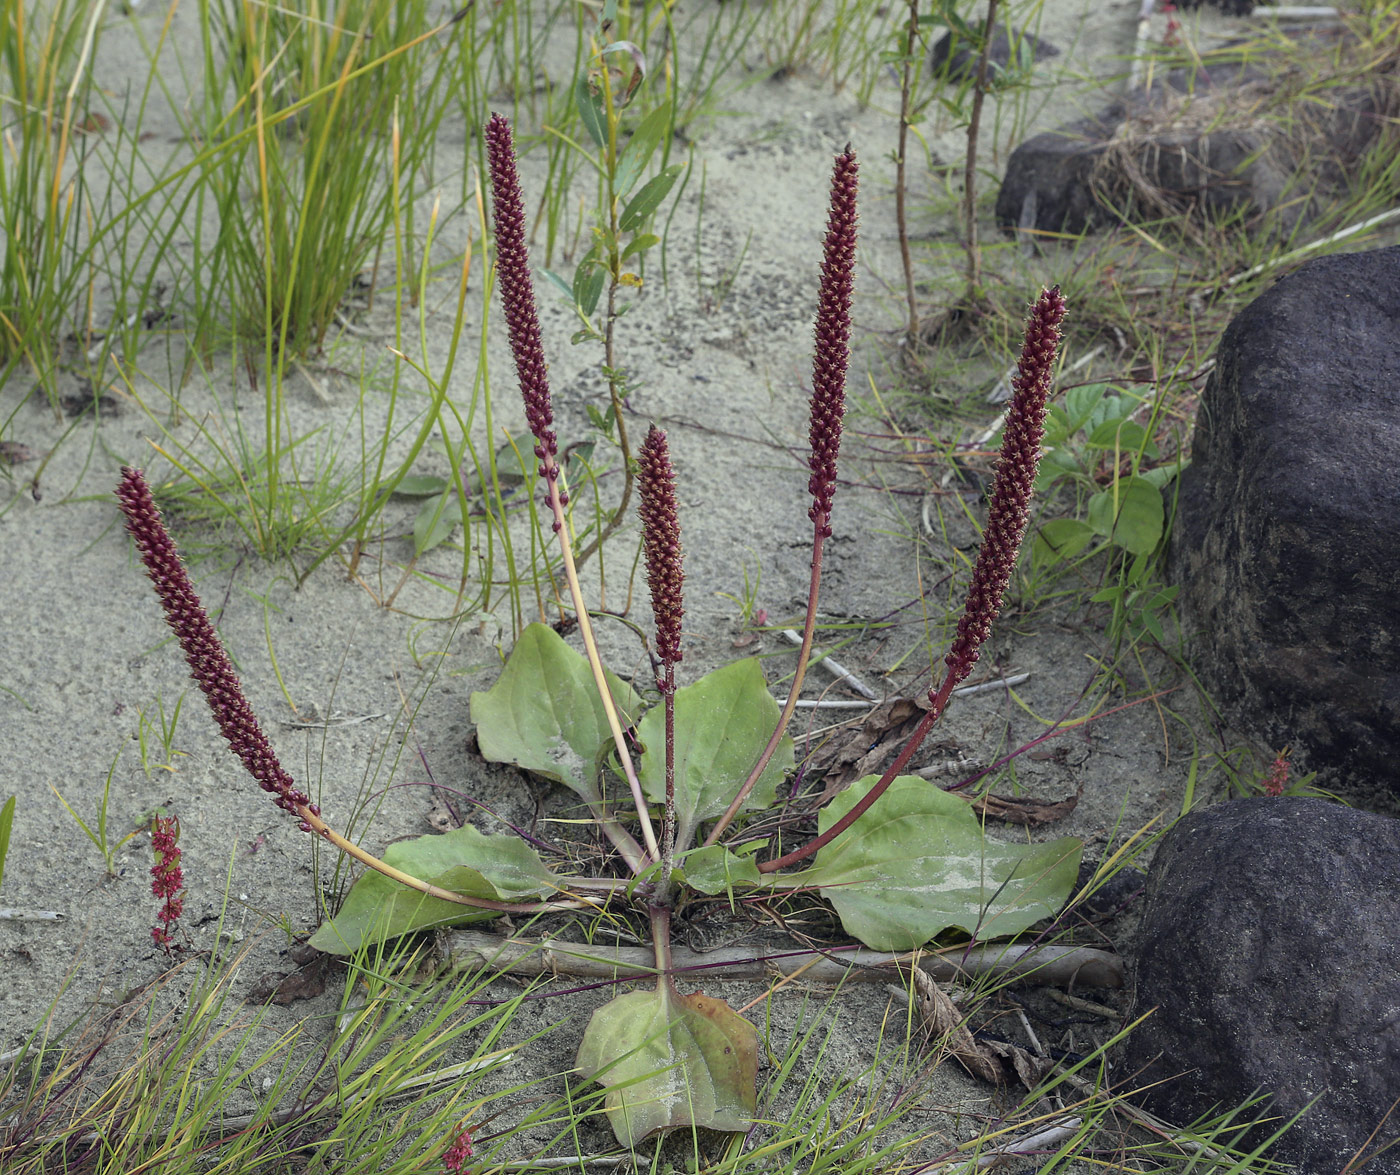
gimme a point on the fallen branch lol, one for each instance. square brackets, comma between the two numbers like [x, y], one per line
[469, 950]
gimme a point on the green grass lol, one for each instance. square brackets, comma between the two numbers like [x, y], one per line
[46, 119]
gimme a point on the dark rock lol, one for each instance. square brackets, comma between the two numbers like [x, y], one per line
[1269, 948]
[1049, 180]
[1228, 7]
[1288, 522]
[1180, 149]
[954, 58]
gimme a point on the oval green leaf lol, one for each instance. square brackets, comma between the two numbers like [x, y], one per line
[715, 870]
[1130, 513]
[1059, 541]
[723, 722]
[437, 519]
[464, 861]
[544, 714]
[649, 199]
[917, 864]
[668, 1061]
[419, 485]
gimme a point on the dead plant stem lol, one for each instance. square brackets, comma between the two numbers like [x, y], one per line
[906, 87]
[974, 124]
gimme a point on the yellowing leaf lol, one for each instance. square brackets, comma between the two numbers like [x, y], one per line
[668, 1060]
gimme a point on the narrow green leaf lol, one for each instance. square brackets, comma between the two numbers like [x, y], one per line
[588, 283]
[1133, 517]
[670, 1061]
[649, 199]
[723, 722]
[917, 863]
[639, 150]
[464, 861]
[590, 111]
[640, 244]
[563, 285]
[7, 819]
[544, 714]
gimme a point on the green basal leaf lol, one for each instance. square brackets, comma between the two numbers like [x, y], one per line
[1055, 465]
[544, 714]
[437, 519]
[1080, 403]
[419, 485]
[668, 1061]
[714, 869]
[464, 861]
[1057, 426]
[1130, 513]
[723, 722]
[917, 864]
[1110, 408]
[649, 199]
[1163, 475]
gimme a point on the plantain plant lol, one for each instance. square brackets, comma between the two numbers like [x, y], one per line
[900, 860]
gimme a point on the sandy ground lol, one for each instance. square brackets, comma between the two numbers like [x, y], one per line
[85, 649]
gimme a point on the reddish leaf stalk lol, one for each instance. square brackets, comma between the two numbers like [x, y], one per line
[831, 354]
[213, 673]
[661, 536]
[1007, 518]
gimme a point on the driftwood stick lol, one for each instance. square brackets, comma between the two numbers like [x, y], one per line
[470, 950]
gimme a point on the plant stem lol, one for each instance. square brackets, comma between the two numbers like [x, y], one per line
[668, 826]
[609, 364]
[660, 918]
[1007, 518]
[552, 473]
[471, 950]
[902, 226]
[974, 122]
[351, 849]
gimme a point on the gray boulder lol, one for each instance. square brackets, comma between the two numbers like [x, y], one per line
[1214, 140]
[1287, 536]
[955, 58]
[1270, 949]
